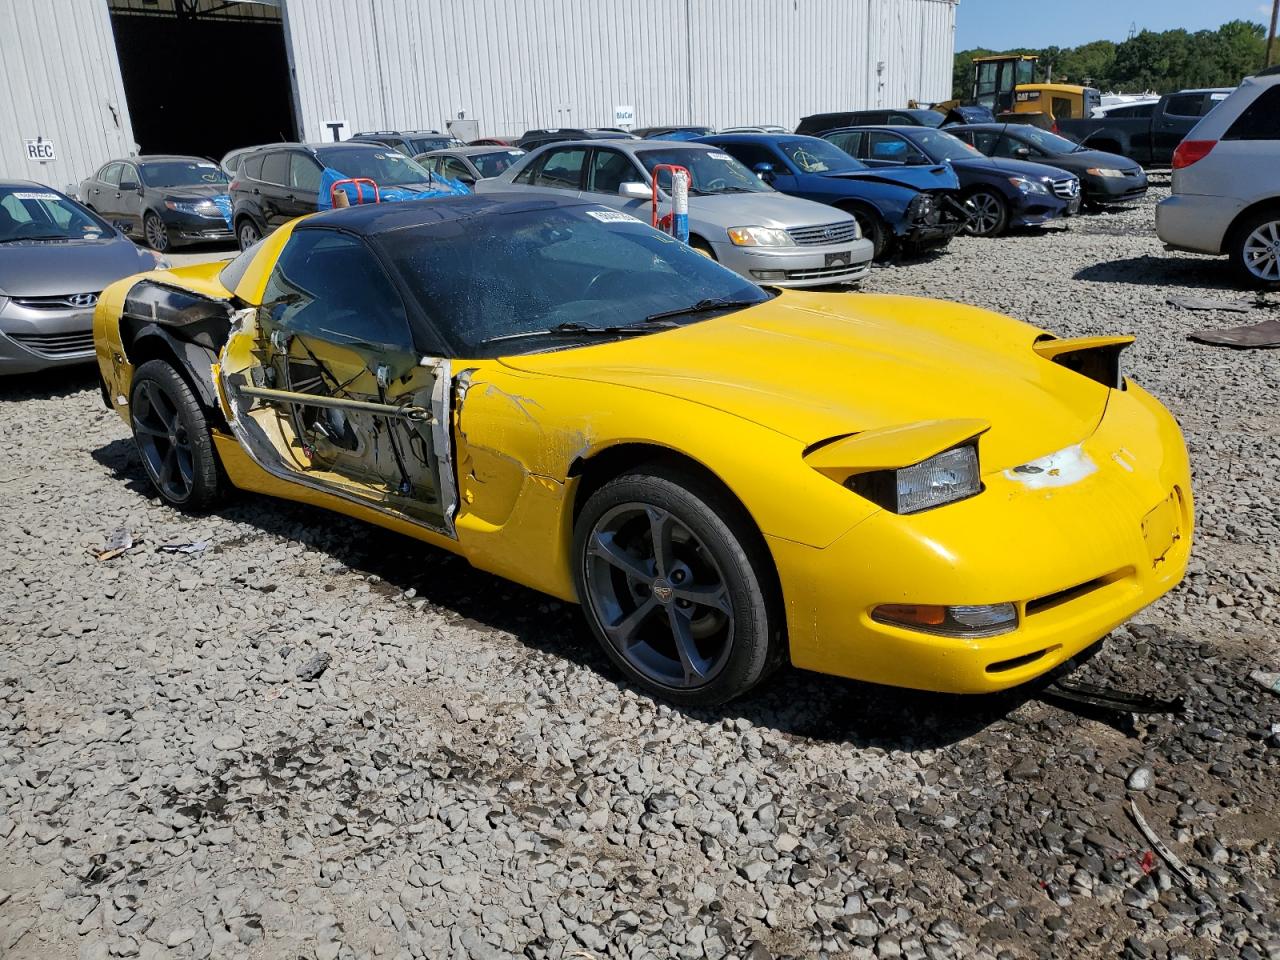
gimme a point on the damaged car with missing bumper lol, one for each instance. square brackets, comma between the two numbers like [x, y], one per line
[726, 477]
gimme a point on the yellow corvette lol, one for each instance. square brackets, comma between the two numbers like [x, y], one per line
[898, 490]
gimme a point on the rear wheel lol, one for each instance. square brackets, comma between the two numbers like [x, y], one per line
[676, 592]
[1255, 254]
[988, 214]
[248, 233]
[156, 233]
[173, 437]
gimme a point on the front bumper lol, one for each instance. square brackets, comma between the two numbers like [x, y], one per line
[1077, 559]
[41, 337]
[1195, 223]
[188, 228]
[1106, 190]
[1036, 209]
[799, 266]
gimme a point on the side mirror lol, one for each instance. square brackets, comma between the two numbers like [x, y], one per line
[467, 178]
[635, 191]
[127, 186]
[764, 171]
[1022, 153]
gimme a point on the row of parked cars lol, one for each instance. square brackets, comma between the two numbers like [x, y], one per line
[779, 208]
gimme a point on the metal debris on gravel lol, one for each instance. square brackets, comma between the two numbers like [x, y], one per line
[469, 779]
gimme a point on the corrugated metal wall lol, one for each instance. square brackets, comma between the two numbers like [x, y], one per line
[517, 64]
[62, 82]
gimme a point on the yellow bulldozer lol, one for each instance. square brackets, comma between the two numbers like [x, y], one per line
[1005, 85]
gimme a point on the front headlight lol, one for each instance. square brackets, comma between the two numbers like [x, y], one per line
[1028, 186]
[1105, 172]
[967, 620]
[760, 237]
[944, 478]
[162, 262]
[200, 208]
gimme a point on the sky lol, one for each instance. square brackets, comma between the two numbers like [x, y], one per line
[1006, 24]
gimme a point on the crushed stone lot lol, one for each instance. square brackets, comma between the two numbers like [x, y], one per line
[466, 776]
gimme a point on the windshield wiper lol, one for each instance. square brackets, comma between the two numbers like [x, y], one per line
[572, 327]
[702, 306]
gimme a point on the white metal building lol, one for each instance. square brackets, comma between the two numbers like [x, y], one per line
[96, 77]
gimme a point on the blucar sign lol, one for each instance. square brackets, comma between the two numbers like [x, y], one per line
[624, 116]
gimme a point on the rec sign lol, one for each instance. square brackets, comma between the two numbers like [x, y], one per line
[40, 150]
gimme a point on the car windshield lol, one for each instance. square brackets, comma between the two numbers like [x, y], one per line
[942, 146]
[38, 213]
[712, 171]
[812, 155]
[492, 164]
[384, 166]
[517, 276]
[1050, 143]
[180, 173]
[426, 144]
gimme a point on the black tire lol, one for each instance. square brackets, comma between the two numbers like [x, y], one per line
[247, 233]
[702, 247]
[156, 233]
[734, 631]
[1258, 235]
[173, 438]
[988, 213]
[873, 229]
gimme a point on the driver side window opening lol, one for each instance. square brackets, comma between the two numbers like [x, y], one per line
[610, 169]
[329, 286]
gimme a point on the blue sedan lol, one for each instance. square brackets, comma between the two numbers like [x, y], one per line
[999, 193]
[911, 208]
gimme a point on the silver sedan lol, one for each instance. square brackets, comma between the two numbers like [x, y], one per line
[55, 258]
[745, 224]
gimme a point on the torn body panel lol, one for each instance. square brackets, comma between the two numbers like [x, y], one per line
[329, 417]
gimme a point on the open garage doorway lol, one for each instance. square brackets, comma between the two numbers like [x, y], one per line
[203, 77]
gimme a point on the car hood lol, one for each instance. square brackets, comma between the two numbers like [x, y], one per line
[770, 209]
[194, 191]
[818, 366]
[1084, 159]
[47, 268]
[1021, 168]
[938, 177]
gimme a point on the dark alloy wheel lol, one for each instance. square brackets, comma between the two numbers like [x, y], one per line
[248, 233]
[173, 438]
[988, 214]
[676, 593]
[156, 232]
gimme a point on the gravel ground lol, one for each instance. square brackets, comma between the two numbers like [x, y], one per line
[469, 778]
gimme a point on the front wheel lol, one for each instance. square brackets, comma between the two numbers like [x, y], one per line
[173, 437]
[1255, 254]
[677, 593]
[873, 229]
[156, 233]
[988, 214]
[248, 233]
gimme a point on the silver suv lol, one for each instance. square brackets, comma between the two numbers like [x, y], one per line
[1226, 183]
[743, 223]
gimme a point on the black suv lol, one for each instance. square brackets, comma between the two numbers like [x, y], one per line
[410, 142]
[533, 139]
[277, 183]
[820, 123]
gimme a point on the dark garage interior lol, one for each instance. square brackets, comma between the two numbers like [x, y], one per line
[203, 76]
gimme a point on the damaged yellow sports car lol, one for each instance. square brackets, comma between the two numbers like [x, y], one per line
[725, 477]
